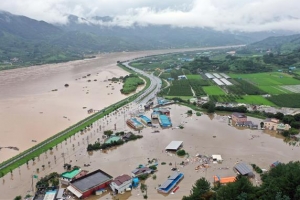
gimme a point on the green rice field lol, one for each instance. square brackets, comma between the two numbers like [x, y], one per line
[193, 76]
[213, 90]
[274, 90]
[255, 99]
[268, 79]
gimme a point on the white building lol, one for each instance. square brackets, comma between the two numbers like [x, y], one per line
[120, 184]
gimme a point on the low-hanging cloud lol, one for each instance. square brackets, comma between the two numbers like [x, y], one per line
[232, 15]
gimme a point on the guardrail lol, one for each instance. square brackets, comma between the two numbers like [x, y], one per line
[64, 134]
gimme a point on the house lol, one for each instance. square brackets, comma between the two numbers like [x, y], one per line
[141, 171]
[69, 176]
[248, 124]
[121, 183]
[273, 124]
[238, 117]
[89, 184]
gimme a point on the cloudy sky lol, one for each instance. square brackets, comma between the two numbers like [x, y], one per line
[241, 15]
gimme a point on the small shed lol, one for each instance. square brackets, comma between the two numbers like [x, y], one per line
[243, 169]
[217, 158]
[174, 145]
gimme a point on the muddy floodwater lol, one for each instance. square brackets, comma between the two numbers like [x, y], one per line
[35, 104]
[205, 135]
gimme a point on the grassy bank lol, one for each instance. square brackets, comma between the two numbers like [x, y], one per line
[131, 83]
[51, 142]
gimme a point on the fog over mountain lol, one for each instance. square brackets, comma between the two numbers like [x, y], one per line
[225, 15]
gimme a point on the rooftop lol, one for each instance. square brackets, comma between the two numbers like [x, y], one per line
[272, 120]
[239, 115]
[91, 180]
[242, 168]
[141, 170]
[121, 179]
[174, 145]
[112, 138]
[70, 174]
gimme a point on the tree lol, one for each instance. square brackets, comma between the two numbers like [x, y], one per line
[189, 112]
[262, 124]
[199, 190]
[108, 133]
[181, 152]
[234, 190]
[211, 108]
[18, 197]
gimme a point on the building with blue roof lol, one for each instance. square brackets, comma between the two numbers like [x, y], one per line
[164, 121]
[146, 120]
[170, 183]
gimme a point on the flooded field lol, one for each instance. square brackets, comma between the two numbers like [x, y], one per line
[35, 104]
[205, 135]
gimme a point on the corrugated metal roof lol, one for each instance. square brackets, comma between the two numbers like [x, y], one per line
[166, 184]
[242, 168]
[173, 176]
[174, 145]
[74, 191]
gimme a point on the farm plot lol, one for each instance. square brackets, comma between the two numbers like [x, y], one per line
[267, 79]
[213, 90]
[180, 88]
[275, 89]
[224, 98]
[286, 100]
[292, 88]
[248, 88]
[193, 76]
[165, 75]
[196, 85]
[255, 99]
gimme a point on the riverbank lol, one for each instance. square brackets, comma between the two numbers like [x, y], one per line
[35, 104]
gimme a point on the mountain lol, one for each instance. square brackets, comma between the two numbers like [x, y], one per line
[25, 41]
[25, 27]
[281, 44]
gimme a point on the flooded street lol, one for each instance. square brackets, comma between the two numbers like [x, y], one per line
[201, 134]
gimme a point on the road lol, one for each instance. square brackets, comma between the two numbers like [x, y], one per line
[153, 89]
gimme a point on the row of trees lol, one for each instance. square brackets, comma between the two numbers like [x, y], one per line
[280, 183]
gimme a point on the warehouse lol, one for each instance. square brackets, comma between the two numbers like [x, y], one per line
[89, 184]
